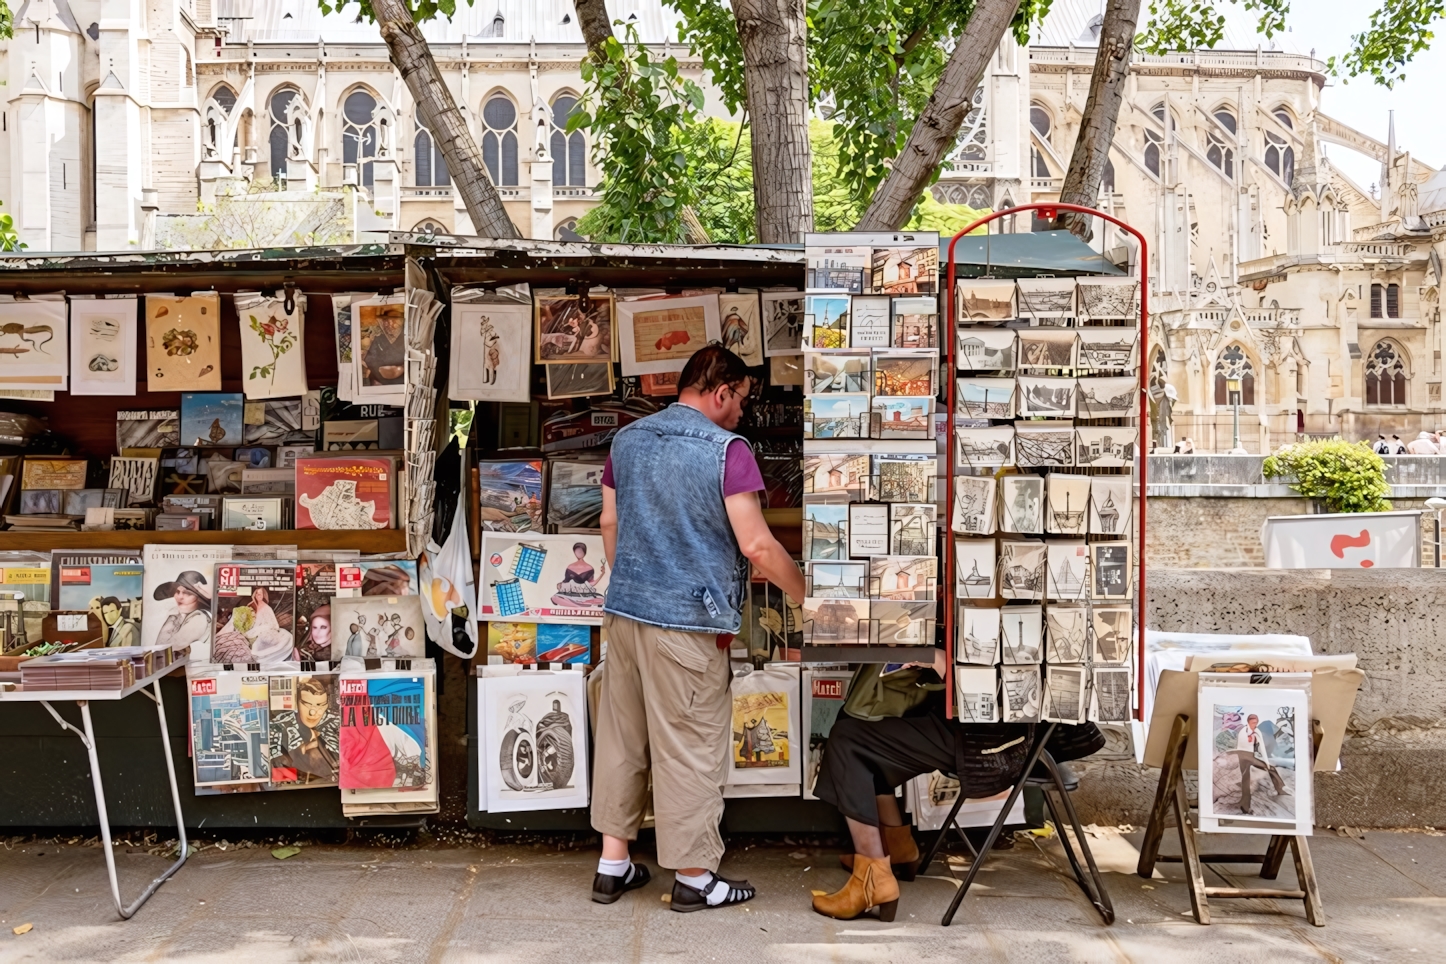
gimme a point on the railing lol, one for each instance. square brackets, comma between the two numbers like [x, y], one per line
[1271, 59]
[1383, 249]
[1046, 183]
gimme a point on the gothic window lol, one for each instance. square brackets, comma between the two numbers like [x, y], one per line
[431, 165]
[1218, 150]
[1393, 301]
[569, 151]
[499, 139]
[1378, 301]
[1233, 363]
[1036, 163]
[429, 227]
[1385, 301]
[359, 134]
[1154, 141]
[974, 141]
[1279, 155]
[1039, 120]
[225, 97]
[279, 108]
[497, 27]
[1385, 375]
[1108, 180]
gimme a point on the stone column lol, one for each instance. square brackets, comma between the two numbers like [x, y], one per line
[542, 199]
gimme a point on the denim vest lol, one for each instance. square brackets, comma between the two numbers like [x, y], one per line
[677, 563]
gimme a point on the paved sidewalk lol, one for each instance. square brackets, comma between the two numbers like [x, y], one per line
[1384, 896]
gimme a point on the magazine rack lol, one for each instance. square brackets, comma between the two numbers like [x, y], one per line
[1174, 711]
[151, 687]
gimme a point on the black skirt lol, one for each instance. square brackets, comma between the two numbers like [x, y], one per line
[863, 759]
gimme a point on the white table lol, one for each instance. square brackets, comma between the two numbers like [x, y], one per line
[151, 687]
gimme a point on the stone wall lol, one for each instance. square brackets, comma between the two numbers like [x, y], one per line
[1393, 764]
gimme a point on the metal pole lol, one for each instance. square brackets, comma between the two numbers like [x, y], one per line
[1438, 540]
[1235, 427]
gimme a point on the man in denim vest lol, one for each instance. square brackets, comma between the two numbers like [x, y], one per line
[681, 522]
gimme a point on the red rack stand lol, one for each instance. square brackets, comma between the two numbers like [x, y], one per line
[1051, 211]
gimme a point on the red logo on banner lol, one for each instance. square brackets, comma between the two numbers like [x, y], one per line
[348, 577]
[76, 576]
[828, 689]
[353, 687]
[203, 687]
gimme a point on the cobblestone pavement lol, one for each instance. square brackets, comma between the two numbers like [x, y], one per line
[1384, 896]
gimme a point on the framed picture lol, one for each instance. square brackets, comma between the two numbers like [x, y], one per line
[986, 397]
[1255, 769]
[741, 325]
[983, 300]
[534, 577]
[986, 350]
[1066, 497]
[782, 322]
[1021, 504]
[1066, 634]
[1068, 576]
[660, 334]
[1109, 397]
[1110, 570]
[1046, 297]
[836, 371]
[571, 329]
[578, 381]
[974, 506]
[103, 346]
[974, 568]
[491, 350]
[1050, 397]
[1021, 570]
[1110, 446]
[1108, 349]
[977, 639]
[1021, 634]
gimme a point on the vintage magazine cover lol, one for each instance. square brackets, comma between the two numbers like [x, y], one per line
[510, 496]
[344, 493]
[178, 585]
[574, 494]
[252, 612]
[377, 627]
[377, 577]
[315, 587]
[388, 742]
[304, 729]
[764, 746]
[229, 728]
[824, 692]
[108, 584]
[532, 577]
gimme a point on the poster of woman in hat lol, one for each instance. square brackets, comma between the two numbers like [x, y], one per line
[187, 602]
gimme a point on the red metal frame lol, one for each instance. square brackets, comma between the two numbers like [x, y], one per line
[1050, 211]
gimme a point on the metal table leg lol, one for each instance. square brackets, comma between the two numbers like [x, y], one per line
[88, 738]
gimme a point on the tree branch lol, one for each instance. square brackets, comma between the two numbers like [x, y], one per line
[597, 26]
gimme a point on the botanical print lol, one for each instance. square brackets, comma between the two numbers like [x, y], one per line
[903, 417]
[869, 321]
[1111, 505]
[905, 271]
[741, 324]
[911, 529]
[903, 577]
[534, 577]
[1050, 397]
[1110, 570]
[1068, 570]
[978, 639]
[1111, 629]
[1066, 498]
[577, 381]
[974, 504]
[836, 416]
[974, 568]
[782, 322]
[1109, 397]
[1043, 444]
[1021, 570]
[1066, 631]
[986, 350]
[379, 346]
[825, 372]
[983, 300]
[1021, 694]
[905, 374]
[491, 351]
[1108, 349]
[103, 346]
[838, 580]
[1111, 691]
[534, 734]
[377, 627]
[826, 321]
[660, 334]
[570, 331]
[1046, 297]
[761, 730]
[985, 447]
[1109, 299]
[976, 696]
[1253, 776]
[836, 622]
[273, 362]
[1107, 446]
[1047, 348]
[1021, 634]
[836, 475]
[1064, 694]
[1021, 503]
[825, 530]
[916, 322]
[897, 623]
[183, 343]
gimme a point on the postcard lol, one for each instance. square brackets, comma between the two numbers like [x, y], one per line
[985, 447]
[835, 622]
[986, 350]
[741, 323]
[905, 478]
[903, 417]
[379, 348]
[212, 418]
[896, 622]
[915, 322]
[183, 343]
[825, 530]
[974, 568]
[836, 371]
[1044, 444]
[826, 321]
[977, 635]
[836, 475]
[1109, 299]
[1110, 570]
[903, 577]
[1112, 632]
[985, 397]
[1046, 297]
[902, 374]
[905, 271]
[868, 532]
[1109, 397]
[1022, 694]
[1047, 347]
[103, 346]
[838, 580]
[1107, 446]
[974, 507]
[978, 299]
[838, 267]
[1108, 349]
[1065, 694]
[869, 321]
[782, 322]
[1021, 569]
[1111, 505]
[912, 531]
[1021, 633]
[1021, 504]
[1068, 562]
[1111, 693]
[976, 694]
[1050, 397]
[836, 416]
[1066, 631]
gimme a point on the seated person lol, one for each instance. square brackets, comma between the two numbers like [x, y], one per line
[864, 761]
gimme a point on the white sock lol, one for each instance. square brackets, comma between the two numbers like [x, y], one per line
[714, 890]
[615, 868]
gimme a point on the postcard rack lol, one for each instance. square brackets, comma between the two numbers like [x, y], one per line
[1046, 412]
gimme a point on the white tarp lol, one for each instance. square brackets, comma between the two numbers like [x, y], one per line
[1346, 540]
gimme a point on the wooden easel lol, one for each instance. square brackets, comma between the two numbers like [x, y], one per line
[1171, 796]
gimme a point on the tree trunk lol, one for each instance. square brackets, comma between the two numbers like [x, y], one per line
[1097, 127]
[775, 66]
[937, 128]
[439, 113]
[597, 26]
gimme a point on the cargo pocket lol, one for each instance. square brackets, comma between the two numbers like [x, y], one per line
[687, 650]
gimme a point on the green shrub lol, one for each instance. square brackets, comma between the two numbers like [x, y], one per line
[1340, 475]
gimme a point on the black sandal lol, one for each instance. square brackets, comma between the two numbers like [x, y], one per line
[687, 899]
[606, 888]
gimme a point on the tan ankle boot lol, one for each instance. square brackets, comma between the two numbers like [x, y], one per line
[903, 852]
[872, 885]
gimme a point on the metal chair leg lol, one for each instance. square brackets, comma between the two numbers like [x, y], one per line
[938, 843]
[1099, 897]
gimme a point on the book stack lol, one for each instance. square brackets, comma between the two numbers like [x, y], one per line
[86, 669]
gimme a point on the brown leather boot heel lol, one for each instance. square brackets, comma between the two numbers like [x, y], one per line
[872, 885]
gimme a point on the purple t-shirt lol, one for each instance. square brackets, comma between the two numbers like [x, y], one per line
[740, 471]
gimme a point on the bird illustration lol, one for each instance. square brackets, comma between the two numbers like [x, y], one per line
[217, 432]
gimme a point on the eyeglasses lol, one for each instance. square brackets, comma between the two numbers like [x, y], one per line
[755, 389]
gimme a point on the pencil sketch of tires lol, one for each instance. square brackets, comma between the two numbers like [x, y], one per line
[519, 751]
[554, 749]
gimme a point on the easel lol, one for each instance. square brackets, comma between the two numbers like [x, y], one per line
[1333, 696]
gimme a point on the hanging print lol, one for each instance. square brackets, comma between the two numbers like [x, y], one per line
[103, 346]
[491, 345]
[273, 360]
[183, 343]
[35, 344]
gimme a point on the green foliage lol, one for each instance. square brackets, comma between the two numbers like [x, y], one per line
[1342, 476]
[947, 219]
[422, 10]
[7, 21]
[1193, 24]
[1398, 32]
[9, 238]
[723, 170]
[645, 123]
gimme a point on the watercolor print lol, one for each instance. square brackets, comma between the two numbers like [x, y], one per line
[1021, 634]
[905, 271]
[825, 530]
[974, 504]
[838, 580]
[1068, 569]
[379, 346]
[983, 300]
[273, 362]
[1046, 297]
[34, 344]
[1109, 299]
[1111, 505]
[659, 335]
[1021, 570]
[974, 568]
[986, 350]
[183, 343]
[985, 447]
[836, 475]
[741, 325]
[1021, 694]
[836, 416]
[826, 321]
[900, 373]
[976, 694]
[103, 346]
[1066, 499]
[986, 397]
[903, 577]
[574, 328]
[978, 641]
[837, 268]
[1108, 349]
[916, 322]
[825, 372]
[1066, 633]
[1050, 397]
[491, 351]
[761, 730]
[782, 322]
[1021, 500]
[903, 417]
[836, 622]
[897, 623]
[905, 478]
[1109, 397]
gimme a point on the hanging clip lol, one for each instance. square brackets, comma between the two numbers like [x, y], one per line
[584, 297]
[288, 301]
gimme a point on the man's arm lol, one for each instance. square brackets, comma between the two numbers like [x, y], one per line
[609, 524]
[757, 542]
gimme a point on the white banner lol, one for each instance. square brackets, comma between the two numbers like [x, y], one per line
[1346, 540]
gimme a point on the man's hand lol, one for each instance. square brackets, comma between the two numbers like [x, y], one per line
[756, 541]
